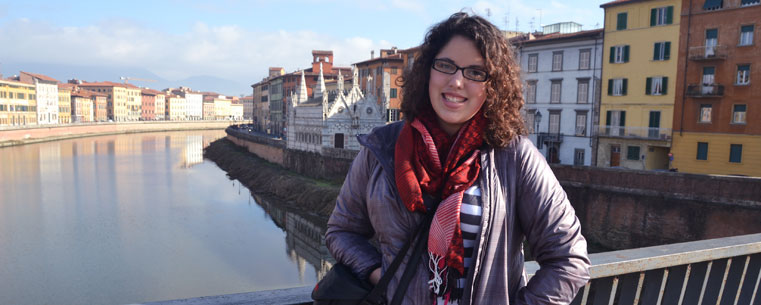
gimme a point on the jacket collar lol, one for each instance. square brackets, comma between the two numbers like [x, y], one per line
[382, 142]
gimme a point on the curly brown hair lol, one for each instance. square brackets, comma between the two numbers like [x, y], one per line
[504, 98]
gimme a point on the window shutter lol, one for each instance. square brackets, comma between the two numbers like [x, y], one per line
[612, 54]
[622, 121]
[607, 118]
[626, 81]
[665, 85]
[670, 15]
[653, 15]
[626, 53]
[667, 50]
[656, 50]
[610, 87]
[648, 85]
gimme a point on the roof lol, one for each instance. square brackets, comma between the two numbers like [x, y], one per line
[322, 52]
[619, 2]
[42, 77]
[12, 81]
[67, 86]
[87, 93]
[102, 84]
[522, 40]
[151, 92]
[393, 57]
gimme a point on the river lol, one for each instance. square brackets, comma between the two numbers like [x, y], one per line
[141, 217]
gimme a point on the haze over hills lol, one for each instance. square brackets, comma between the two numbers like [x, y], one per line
[97, 73]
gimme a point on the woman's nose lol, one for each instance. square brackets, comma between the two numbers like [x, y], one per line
[456, 79]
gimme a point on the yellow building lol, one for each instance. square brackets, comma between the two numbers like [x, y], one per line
[18, 104]
[134, 102]
[222, 106]
[64, 104]
[117, 98]
[638, 81]
[176, 108]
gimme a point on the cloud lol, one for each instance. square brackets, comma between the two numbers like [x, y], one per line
[229, 52]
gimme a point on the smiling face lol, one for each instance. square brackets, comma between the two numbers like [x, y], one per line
[454, 98]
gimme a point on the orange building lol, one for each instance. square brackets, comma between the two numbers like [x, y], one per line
[380, 77]
[717, 114]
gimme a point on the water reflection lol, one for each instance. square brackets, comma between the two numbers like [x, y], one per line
[305, 238]
[136, 218]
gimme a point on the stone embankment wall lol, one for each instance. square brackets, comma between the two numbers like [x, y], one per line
[270, 179]
[623, 209]
[331, 166]
[618, 209]
[10, 137]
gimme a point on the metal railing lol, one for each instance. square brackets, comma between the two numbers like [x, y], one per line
[707, 52]
[550, 137]
[650, 133]
[706, 91]
[714, 271]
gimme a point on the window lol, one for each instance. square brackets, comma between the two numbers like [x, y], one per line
[621, 21]
[392, 115]
[619, 54]
[743, 74]
[617, 86]
[394, 71]
[584, 59]
[662, 50]
[746, 35]
[632, 153]
[735, 153]
[20, 96]
[533, 62]
[705, 113]
[554, 122]
[530, 119]
[656, 85]
[582, 91]
[531, 92]
[393, 92]
[581, 124]
[555, 91]
[557, 61]
[738, 114]
[661, 16]
[702, 151]
[749, 2]
[578, 156]
[711, 5]
[615, 122]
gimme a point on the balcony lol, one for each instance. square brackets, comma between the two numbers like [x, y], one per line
[646, 133]
[705, 91]
[704, 53]
[550, 137]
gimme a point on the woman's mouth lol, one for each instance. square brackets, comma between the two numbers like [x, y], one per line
[453, 98]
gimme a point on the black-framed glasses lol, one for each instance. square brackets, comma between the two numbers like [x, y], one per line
[447, 67]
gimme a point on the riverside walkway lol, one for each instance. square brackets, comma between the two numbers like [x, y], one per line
[723, 271]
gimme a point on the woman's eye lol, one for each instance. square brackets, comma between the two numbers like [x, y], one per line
[476, 73]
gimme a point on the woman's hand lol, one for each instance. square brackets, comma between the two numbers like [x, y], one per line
[375, 276]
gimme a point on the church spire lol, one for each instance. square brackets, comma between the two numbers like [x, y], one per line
[321, 90]
[302, 89]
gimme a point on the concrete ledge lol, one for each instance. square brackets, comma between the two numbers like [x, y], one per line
[289, 296]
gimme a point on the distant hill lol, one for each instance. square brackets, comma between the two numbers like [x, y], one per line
[98, 73]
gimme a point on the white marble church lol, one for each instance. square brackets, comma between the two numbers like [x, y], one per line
[331, 119]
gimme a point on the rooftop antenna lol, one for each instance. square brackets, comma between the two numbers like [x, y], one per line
[540, 17]
[531, 25]
[507, 19]
[516, 24]
[488, 13]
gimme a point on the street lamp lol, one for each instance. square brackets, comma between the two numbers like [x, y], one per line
[537, 120]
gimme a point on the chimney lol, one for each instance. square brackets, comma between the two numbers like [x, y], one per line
[372, 54]
[394, 48]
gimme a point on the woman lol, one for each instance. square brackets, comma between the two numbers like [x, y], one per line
[460, 144]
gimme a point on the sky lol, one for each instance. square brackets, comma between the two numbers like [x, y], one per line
[238, 40]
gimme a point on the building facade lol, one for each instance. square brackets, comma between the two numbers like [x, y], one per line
[175, 107]
[331, 119]
[148, 108]
[116, 94]
[248, 107]
[64, 105]
[46, 93]
[561, 74]
[639, 72]
[378, 77]
[18, 104]
[134, 102]
[717, 115]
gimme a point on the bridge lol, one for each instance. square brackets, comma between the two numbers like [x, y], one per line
[723, 271]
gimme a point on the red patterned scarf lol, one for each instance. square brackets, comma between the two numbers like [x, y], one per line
[418, 155]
